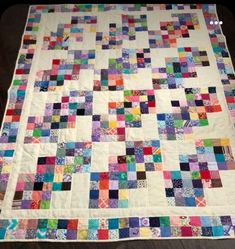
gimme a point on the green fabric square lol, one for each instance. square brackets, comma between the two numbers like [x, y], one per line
[208, 143]
[157, 158]
[130, 158]
[78, 160]
[127, 93]
[203, 122]
[16, 82]
[178, 123]
[164, 221]
[122, 175]
[195, 175]
[190, 96]
[44, 204]
[37, 133]
[42, 223]
[104, 82]
[129, 117]
[52, 223]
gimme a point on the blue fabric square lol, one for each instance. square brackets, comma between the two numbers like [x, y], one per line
[165, 232]
[95, 176]
[190, 201]
[134, 222]
[113, 223]
[94, 194]
[206, 221]
[124, 233]
[161, 116]
[218, 231]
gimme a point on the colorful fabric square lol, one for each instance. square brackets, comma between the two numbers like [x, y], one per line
[58, 116]
[185, 187]
[110, 189]
[69, 33]
[178, 68]
[170, 31]
[64, 69]
[53, 173]
[188, 114]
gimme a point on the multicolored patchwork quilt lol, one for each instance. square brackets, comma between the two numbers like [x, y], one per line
[119, 125]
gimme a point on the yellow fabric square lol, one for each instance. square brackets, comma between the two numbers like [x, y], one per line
[123, 194]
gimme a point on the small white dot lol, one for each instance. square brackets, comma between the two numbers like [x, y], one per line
[211, 22]
[216, 22]
[220, 22]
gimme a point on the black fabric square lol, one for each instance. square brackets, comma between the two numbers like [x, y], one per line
[184, 167]
[177, 183]
[18, 195]
[202, 53]
[218, 150]
[169, 192]
[60, 82]
[212, 89]
[63, 118]
[205, 63]
[127, 104]
[113, 194]
[57, 106]
[62, 224]
[199, 102]
[130, 151]
[38, 186]
[96, 118]
[175, 103]
[141, 175]
[55, 125]
[176, 67]
[121, 159]
[42, 160]
[66, 185]
[80, 112]
[140, 55]
[154, 221]
[197, 183]
[53, 77]
[112, 88]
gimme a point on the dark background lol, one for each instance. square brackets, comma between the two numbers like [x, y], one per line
[12, 22]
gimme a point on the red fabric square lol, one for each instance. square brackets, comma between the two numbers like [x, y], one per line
[56, 62]
[103, 234]
[186, 231]
[147, 150]
[72, 224]
[205, 174]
